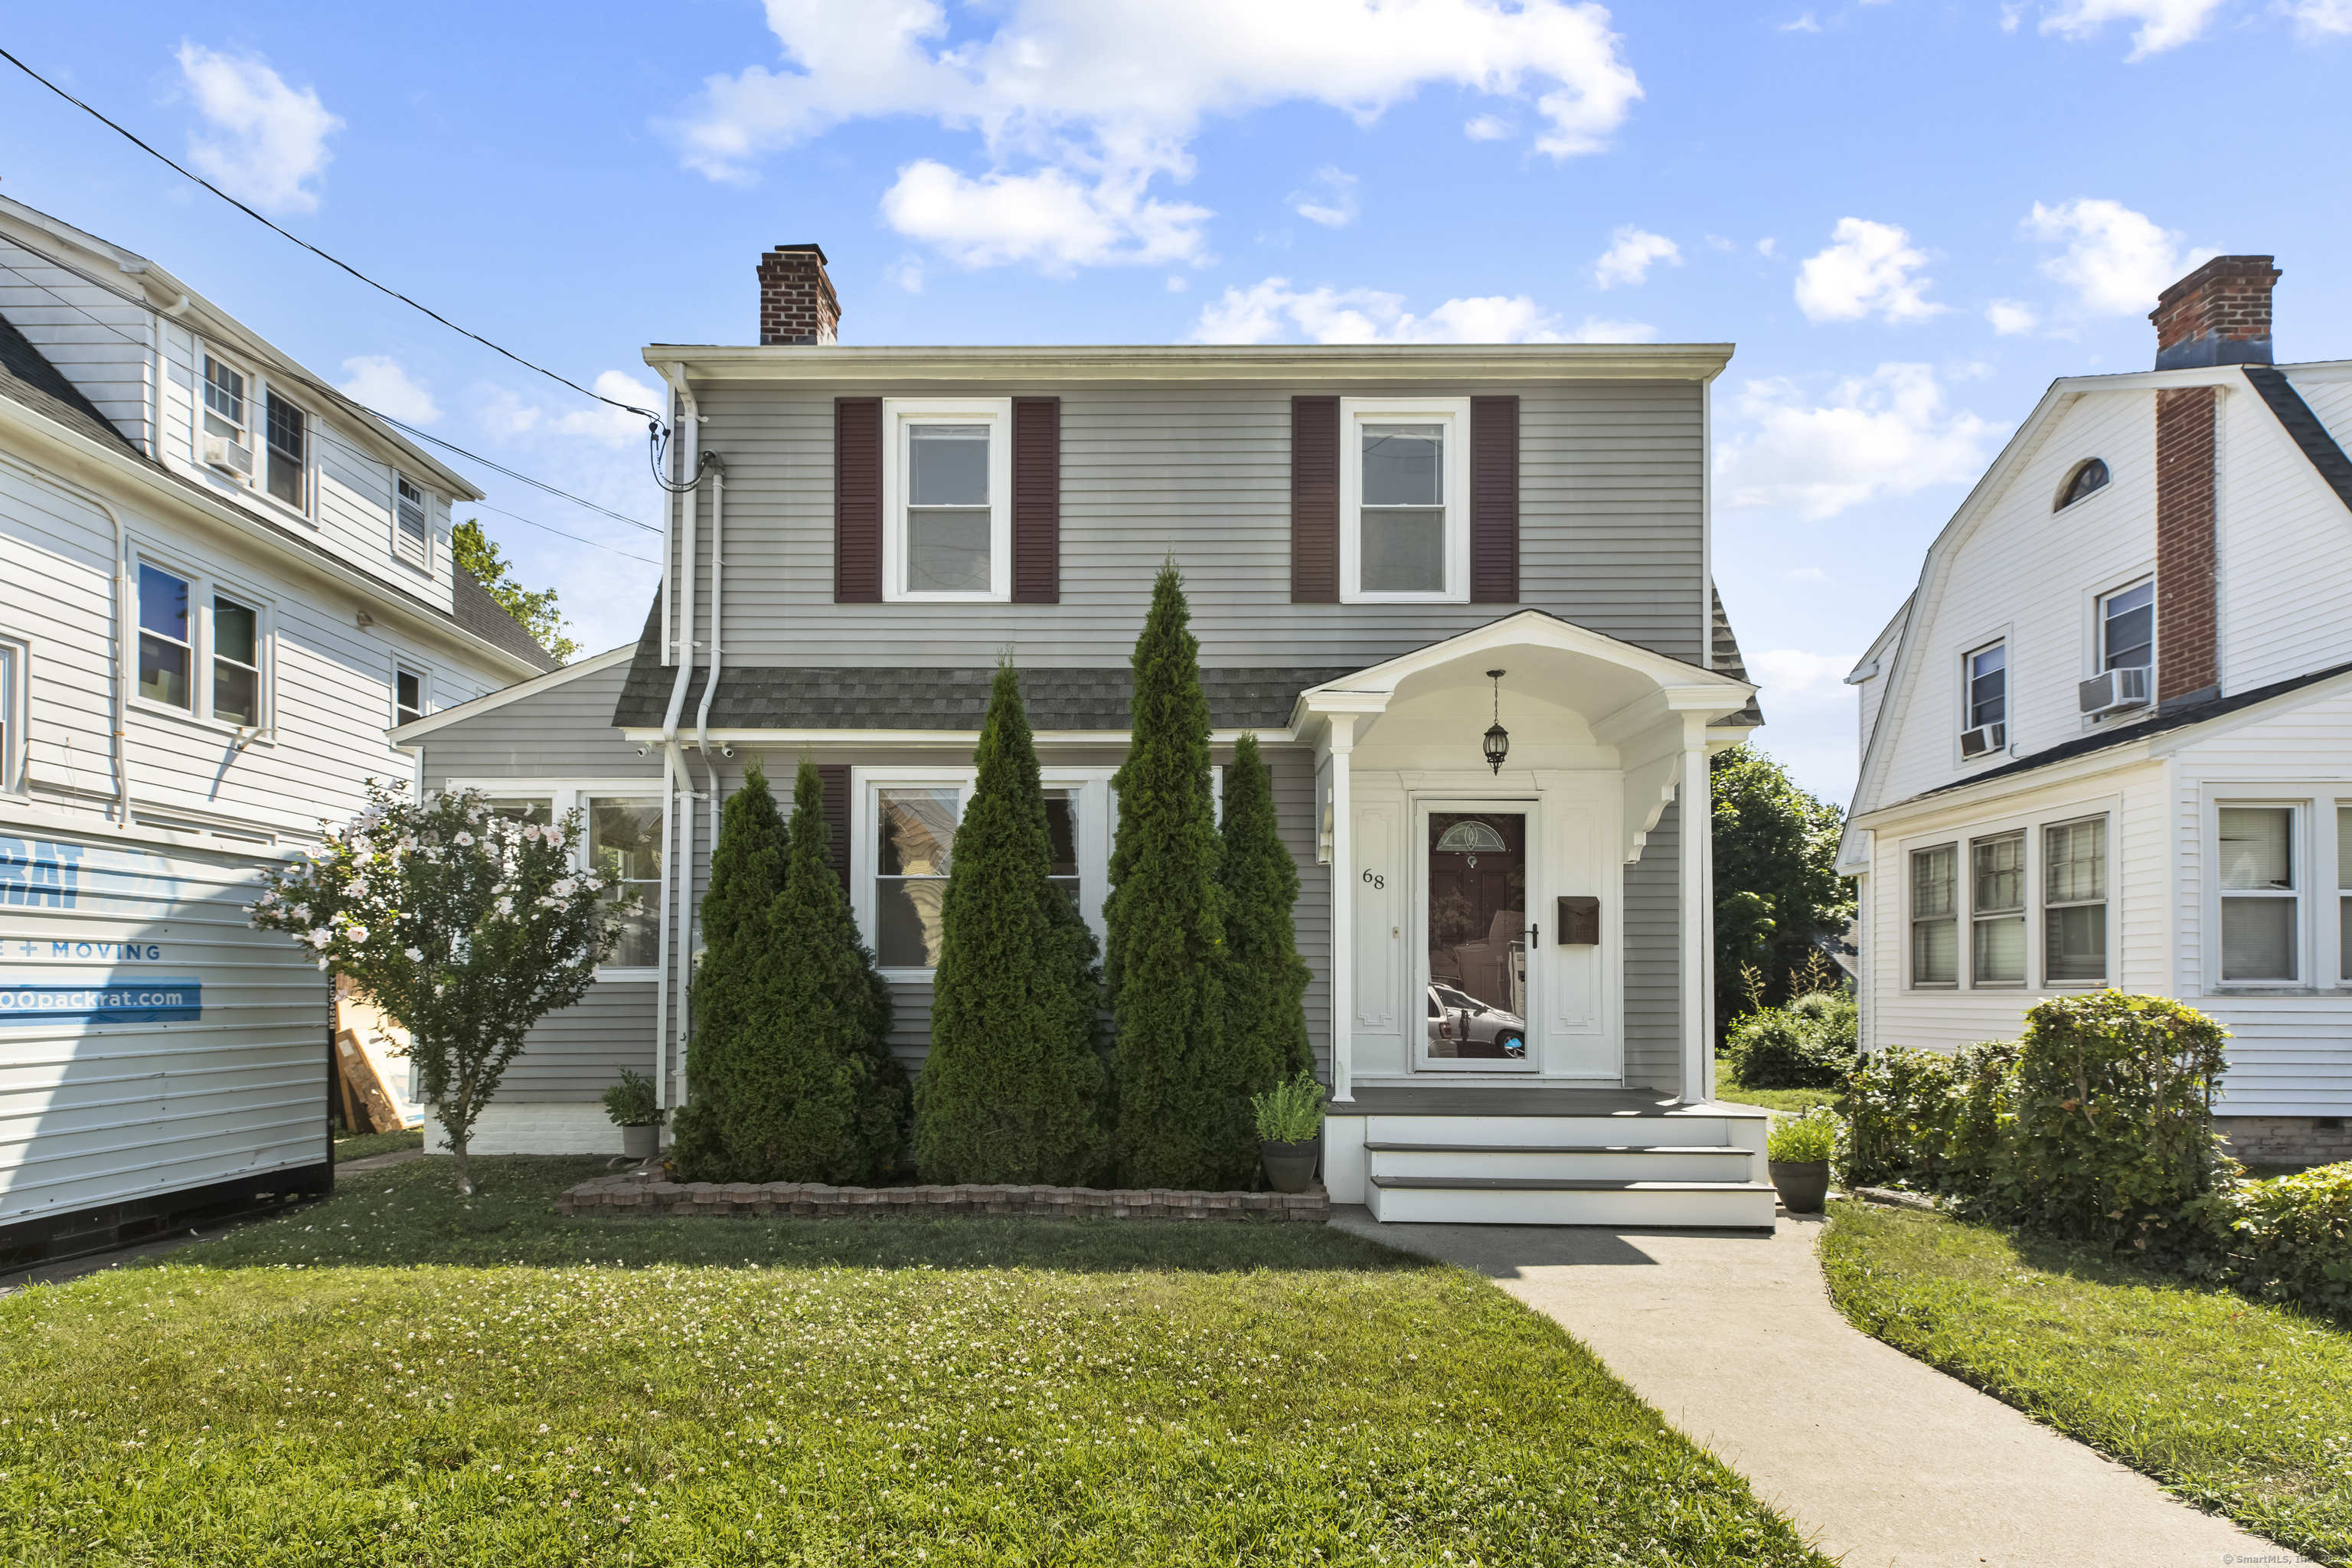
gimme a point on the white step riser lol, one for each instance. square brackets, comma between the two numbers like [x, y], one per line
[1453, 1206]
[1550, 1132]
[1628, 1166]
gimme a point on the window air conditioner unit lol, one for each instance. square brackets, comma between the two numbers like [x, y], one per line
[220, 452]
[2114, 691]
[1984, 740]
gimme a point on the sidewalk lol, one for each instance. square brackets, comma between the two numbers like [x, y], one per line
[1882, 1461]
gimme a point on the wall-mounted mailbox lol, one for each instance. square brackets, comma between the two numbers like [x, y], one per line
[1579, 920]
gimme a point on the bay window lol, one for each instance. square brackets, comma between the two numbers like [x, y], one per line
[2259, 894]
[1404, 510]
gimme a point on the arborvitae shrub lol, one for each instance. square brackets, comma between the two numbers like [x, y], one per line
[1183, 1117]
[1266, 980]
[811, 1093]
[1013, 1088]
[747, 872]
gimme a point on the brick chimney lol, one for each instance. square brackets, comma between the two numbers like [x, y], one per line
[797, 304]
[2219, 314]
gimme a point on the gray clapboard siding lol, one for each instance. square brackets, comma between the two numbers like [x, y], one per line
[577, 1053]
[1611, 528]
[1294, 806]
[564, 732]
[1654, 1029]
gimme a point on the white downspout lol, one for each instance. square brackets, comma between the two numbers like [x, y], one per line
[123, 667]
[678, 825]
[717, 600]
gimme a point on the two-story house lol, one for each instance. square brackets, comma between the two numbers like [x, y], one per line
[225, 584]
[2108, 739]
[1390, 552]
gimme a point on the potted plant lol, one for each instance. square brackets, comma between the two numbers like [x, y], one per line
[1289, 1128]
[1797, 1151]
[630, 1104]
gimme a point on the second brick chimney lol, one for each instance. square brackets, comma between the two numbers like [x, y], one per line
[797, 304]
[2219, 314]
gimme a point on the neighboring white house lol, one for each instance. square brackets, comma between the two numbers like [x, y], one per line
[2108, 739]
[224, 587]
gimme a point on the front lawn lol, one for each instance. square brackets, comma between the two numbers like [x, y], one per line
[1729, 1087]
[401, 1376]
[2238, 1408]
[350, 1146]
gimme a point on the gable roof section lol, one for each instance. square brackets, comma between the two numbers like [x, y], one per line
[1724, 659]
[2304, 429]
[27, 376]
[417, 730]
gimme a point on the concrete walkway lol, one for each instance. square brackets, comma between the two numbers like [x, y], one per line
[1882, 1461]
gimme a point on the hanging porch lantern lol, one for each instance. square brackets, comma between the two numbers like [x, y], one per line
[1497, 743]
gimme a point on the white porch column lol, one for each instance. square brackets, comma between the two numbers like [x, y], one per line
[1696, 848]
[1338, 740]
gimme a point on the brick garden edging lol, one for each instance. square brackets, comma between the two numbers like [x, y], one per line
[626, 1196]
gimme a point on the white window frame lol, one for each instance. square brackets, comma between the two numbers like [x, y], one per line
[2333, 918]
[203, 588]
[563, 795]
[2303, 865]
[2037, 888]
[206, 357]
[1096, 801]
[897, 413]
[2020, 913]
[15, 700]
[2034, 824]
[1912, 920]
[1969, 657]
[1453, 413]
[2099, 664]
[401, 666]
[259, 390]
[423, 558]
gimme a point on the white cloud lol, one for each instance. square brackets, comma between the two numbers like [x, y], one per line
[378, 382]
[2316, 18]
[1329, 199]
[2115, 260]
[1808, 575]
[609, 425]
[1273, 311]
[2011, 318]
[907, 272]
[2163, 24]
[1887, 433]
[1866, 270]
[1629, 257]
[272, 141]
[1765, 246]
[1804, 23]
[1104, 96]
[1486, 127]
[1790, 672]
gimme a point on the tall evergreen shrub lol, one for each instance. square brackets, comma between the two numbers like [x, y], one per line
[747, 872]
[811, 1093]
[1013, 1088]
[1183, 1110]
[1266, 980]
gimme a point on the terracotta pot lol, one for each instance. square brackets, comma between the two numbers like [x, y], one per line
[642, 1141]
[1290, 1167]
[1804, 1185]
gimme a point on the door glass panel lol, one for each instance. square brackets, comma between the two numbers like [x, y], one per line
[1477, 892]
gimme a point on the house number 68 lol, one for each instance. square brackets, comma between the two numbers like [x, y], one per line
[1373, 879]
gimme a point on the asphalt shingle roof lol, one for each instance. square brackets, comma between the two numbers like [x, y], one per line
[1725, 659]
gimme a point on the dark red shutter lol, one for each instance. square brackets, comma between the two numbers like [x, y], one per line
[1036, 500]
[857, 500]
[1494, 500]
[1314, 500]
[834, 777]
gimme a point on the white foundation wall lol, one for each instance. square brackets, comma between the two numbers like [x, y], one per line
[525, 1127]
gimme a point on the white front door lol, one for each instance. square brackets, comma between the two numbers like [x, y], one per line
[1477, 907]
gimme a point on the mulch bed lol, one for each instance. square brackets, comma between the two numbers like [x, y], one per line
[642, 1195]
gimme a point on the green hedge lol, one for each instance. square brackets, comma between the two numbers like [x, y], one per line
[1809, 1044]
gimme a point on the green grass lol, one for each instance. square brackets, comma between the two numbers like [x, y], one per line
[1728, 1087]
[400, 1376]
[2238, 1408]
[360, 1145]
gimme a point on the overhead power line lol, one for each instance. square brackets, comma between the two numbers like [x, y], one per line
[651, 416]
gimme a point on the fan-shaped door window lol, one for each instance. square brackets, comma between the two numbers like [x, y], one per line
[1472, 838]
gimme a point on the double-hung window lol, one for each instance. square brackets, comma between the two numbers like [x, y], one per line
[2127, 629]
[411, 537]
[2260, 922]
[1404, 499]
[290, 451]
[167, 636]
[2074, 902]
[1935, 909]
[625, 843]
[915, 829]
[229, 432]
[408, 697]
[1997, 904]
[1986, 702]
[236, 662]
[2344, 892]
[11, 729]
[947, 500]
[201, 649]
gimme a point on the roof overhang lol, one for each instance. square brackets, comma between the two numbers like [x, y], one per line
[1319, 366]
[409, 734]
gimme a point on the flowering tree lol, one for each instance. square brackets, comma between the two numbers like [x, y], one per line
[464, 927]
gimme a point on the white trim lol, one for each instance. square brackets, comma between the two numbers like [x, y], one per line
[16, 698]
[1962, 832]
[1454, 415]
[1418, 1058]
[409, 734]
[1279, 363]
[566, 794]
[203, 587]
[995, 414]
[2303, 803]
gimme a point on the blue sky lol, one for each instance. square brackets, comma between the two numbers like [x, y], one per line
[1909, 216]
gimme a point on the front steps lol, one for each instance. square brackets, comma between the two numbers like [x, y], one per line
[1695, 1167]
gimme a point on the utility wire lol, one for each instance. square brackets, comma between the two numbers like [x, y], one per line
[559, 532]
[655, 418]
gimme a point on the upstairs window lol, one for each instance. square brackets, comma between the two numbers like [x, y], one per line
[1935, 926]
[411, 533]
[947, 500]
[2091, 477]
[290, 447]
[1984, 703]
[236, 662]
[230, 443]
[166, 638]
[2127, 629]
[1404, 499]
[12, 730]
[408, 698]
[2259, 897]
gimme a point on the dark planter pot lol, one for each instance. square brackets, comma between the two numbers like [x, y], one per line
[1804, 1186]
[642, 1141]
[1290, 1167]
